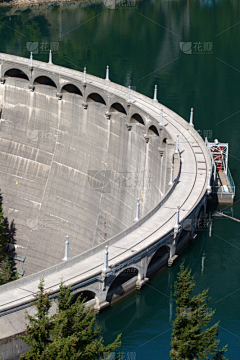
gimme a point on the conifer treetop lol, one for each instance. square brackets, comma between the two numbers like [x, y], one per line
[191, 338]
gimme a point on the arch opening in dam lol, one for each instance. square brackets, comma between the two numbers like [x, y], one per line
[44, 80]
[85, 295]
[94, 97]
[119, 285]
[152, 130]
[158, 261]
[137, 119]
[117, 107]
[16, 73]
[71, 89]
[164, 143]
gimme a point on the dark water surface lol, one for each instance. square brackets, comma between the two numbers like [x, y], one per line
[141, 44]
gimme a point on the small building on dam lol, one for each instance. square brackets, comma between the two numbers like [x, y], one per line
[122, 176]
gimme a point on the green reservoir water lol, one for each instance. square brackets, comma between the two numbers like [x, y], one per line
[142, 44]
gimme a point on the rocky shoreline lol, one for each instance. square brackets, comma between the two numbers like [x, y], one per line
[35, 2]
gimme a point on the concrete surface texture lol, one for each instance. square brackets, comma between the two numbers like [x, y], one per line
[55, 177]
[66, 170]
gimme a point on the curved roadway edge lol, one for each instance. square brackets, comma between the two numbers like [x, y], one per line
[188, 192]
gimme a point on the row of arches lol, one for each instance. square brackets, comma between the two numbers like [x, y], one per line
[116, 107]
[156, 262]
[118, 285]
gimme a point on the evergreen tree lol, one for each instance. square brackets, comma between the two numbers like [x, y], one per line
[69, 334]
[38, 327]
[7, 271]
[75, 335]
[190, 337]
[3, 234]
[7, 249]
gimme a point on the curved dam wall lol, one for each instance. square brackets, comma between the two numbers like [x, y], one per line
[68, 169]
[71, 154]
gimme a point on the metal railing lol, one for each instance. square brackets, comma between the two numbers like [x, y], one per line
[214, 168]
[231, 181]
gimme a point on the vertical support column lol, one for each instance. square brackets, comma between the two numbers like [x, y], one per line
[31, 60]
[155, 94]
[50, 57]
[58, 94]
[165, 161]
[66, 256]
[177, 145]
[161, 118]
[31, 86]
[226, 160]
[209, 189]
[2, 80]
[172, 255]
[129, 94]
[177, 225]
[171, 176]
[106, 271]
[84, 104]
[105, 263]
[137, 218]
[107, 74]
[191, 117]
[84, 75]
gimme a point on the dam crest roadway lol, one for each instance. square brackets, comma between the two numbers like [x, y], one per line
[101, 126]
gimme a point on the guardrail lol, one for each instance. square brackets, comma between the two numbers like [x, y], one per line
[213, 163]
[231, 181]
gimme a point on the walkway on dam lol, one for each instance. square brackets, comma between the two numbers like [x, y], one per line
[189, 190]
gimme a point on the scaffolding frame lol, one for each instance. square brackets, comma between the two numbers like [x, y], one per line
[219, 158]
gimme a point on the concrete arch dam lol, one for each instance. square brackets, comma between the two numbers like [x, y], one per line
[76, 153]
